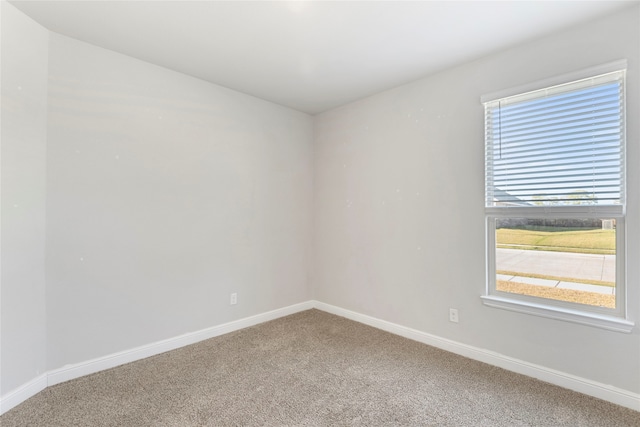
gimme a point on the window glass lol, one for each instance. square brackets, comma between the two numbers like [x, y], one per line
[565, 259]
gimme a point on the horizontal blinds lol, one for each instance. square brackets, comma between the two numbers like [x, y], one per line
[562, 145]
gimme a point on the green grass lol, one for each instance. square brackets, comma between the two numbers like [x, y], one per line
[595, 241]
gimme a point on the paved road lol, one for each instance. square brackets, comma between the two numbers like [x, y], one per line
[561, 264]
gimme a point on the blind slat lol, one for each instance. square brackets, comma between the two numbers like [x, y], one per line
[588, 127]
[546, 110]
[568, 101]
[590, 121]
[535, 154]
[549, 163]
[544, 143]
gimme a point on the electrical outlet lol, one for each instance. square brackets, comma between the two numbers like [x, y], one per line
[234, 299]
[453, 315]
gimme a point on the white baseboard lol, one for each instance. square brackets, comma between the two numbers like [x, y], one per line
[70, 372]
[22, 393]
[77, 370]
[592, 388]
[572, 382]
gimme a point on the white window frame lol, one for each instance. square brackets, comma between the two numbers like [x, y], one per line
[610, 319]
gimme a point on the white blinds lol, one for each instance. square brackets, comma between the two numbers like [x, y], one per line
[562, 145]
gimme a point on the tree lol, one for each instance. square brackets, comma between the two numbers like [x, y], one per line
[545, 200]
[582, 197]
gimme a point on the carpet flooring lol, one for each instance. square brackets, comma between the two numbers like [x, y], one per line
[312, 369]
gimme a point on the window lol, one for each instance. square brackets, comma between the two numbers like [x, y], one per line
[555, 200]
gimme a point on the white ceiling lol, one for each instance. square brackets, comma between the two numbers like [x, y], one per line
[310, 55]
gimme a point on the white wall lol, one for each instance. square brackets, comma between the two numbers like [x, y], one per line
[165, 194]
[399, 196]
[23, 149]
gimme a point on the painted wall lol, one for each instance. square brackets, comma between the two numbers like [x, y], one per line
[399, 206]
[23, 153]
[165, 194]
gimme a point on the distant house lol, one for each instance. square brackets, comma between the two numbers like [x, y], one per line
[503, 198]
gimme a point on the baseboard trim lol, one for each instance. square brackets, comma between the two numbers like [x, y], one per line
[70, 372]
[572, 382]
[92, 366]
[22, 393]
[592, 388]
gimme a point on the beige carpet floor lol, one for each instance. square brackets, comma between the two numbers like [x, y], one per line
[312, 369]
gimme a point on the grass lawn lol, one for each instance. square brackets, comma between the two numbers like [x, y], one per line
[595, 241]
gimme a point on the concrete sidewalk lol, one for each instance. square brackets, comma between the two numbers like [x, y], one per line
[606, 290]
[585, 267]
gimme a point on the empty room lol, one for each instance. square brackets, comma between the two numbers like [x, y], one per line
[230, 213]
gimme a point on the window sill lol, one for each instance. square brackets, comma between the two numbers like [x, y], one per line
[610, 323]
